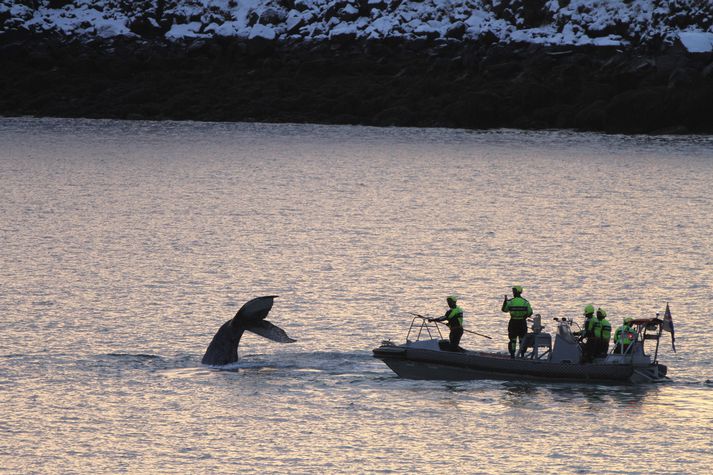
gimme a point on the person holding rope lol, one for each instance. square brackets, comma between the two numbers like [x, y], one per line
[454, 320]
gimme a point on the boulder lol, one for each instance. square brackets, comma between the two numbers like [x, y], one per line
[348, 13]
[456, 30]
[295, 20]
[474, 110]
[707, 72]
[591, 117]
[146, 27]
[262, 32]
[681, 77]
[272, 16]
[58, 3]
[343, 33]
[637, 111]
[392, 116]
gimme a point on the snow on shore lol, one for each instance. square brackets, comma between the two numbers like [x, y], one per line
[552, 22]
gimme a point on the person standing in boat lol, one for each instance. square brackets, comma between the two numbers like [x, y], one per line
[588, 315]
[519, 309]
[587, 333]
[454, 320]
[602, 333]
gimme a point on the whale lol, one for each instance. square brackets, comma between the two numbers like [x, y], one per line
[223, 349]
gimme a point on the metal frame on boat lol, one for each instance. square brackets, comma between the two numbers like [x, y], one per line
[429, 357]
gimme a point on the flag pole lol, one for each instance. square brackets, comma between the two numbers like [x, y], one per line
[658, 338]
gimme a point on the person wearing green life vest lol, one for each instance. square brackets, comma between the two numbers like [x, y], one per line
[588, 315]
[519, 309]
[587, 332]
[454, 320]
[602, 333]
[624, 336]
[591, 347]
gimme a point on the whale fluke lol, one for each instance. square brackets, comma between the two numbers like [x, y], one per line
[223, 349]
[272, 332]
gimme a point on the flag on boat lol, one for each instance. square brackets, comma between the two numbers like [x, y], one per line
[668, 326]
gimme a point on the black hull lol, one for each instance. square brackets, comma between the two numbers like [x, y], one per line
[414, 363]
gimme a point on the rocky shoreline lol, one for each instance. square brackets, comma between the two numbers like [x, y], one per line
[385, 82]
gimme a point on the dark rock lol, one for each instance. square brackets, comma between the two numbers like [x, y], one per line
[456, 30]
[507, 70]
[429, 35]
[475, 110]
[428, 82]
[294, 23]
[58, 3]
[253, 18]
[368, 6]
[12, 51]
[533, 13]
[672, 130]
[669, 61]
[637, 111]
[691, 107]
[146, 27]
[591, 117]
[707, 72]
[348, 13]
[333, 9]
[287, 5]
[342, 36]
[301, 5]
[394, 116]
[681, 77]
[272, 16]
[4, 16]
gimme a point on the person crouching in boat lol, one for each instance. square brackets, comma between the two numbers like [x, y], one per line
[519, 309]
[454, 320]
[623, 336]
[602, 333]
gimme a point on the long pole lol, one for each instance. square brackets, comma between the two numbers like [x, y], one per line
[469, 331]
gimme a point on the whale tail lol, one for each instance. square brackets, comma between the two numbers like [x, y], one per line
[223, 349]
[270, 331]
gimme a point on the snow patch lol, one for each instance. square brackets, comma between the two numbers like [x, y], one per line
[262, 31]
[342, 30]
[186, 30]
[572, 22]
[697, 41]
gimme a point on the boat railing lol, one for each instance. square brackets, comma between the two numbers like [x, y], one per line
[646, 329]
[627, 350]
[424, 325]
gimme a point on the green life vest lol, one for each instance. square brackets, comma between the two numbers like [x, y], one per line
[605, 329]
[594, 327]
[518, 307]
[455, 317]
[624, 335]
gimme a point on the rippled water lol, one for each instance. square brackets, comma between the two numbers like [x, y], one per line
[125, 245]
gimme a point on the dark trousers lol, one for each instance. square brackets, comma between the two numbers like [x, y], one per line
[603, 347]
[591, 346]
[454, 337]
[517, 329]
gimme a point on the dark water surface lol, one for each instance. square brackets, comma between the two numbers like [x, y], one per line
[125, 245]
